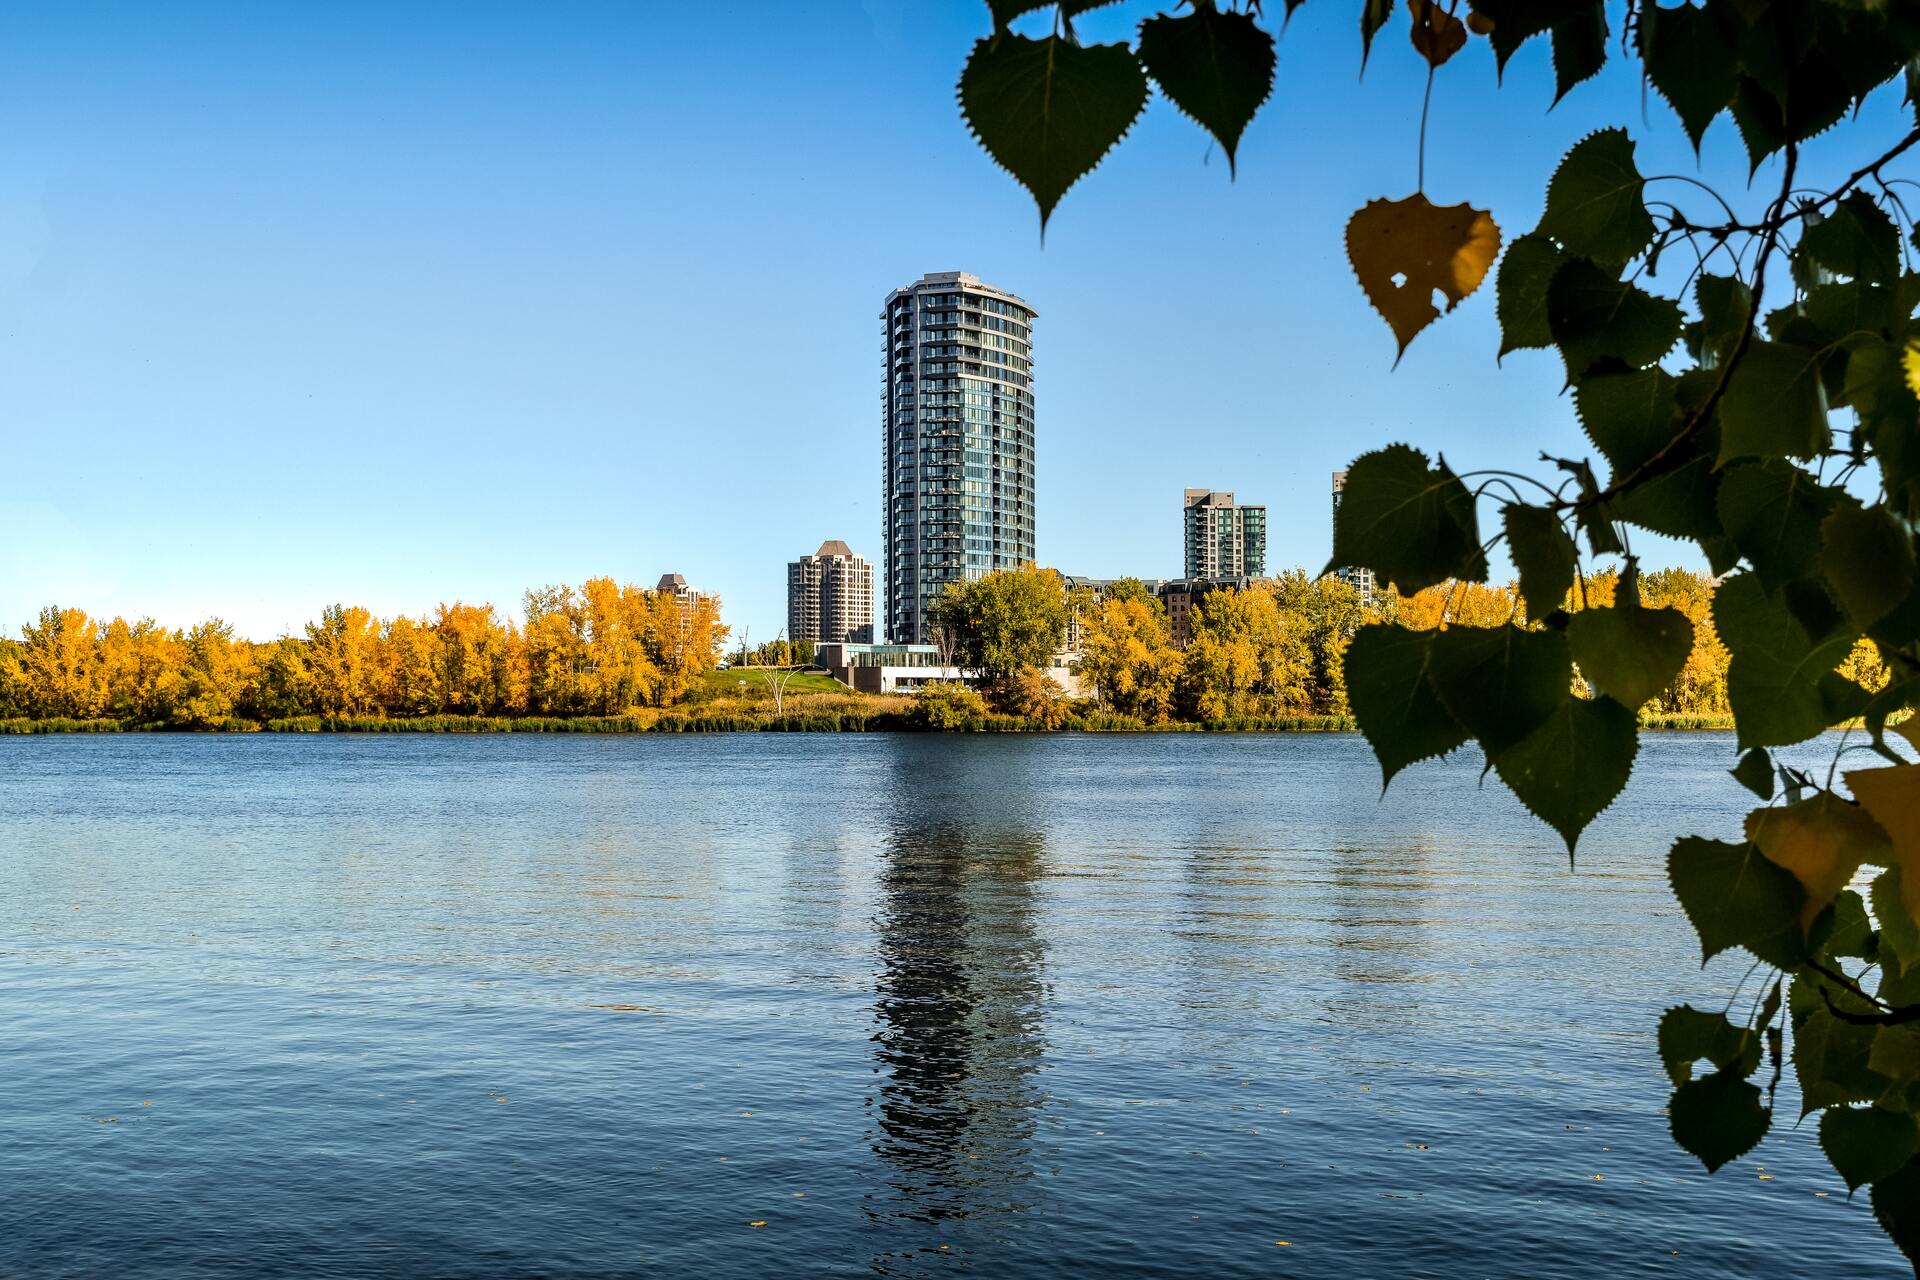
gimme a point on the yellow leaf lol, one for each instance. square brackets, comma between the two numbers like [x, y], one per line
[1892, 797]
[1404, 251]
[1822, 841]
[1913, 367]
[1437, 34]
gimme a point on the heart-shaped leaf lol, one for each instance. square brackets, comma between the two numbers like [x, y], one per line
[1406, 251]
[1214, 64]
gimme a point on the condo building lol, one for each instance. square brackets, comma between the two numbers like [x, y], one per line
[830, 596]
[1361, 580]
[1223, 540]
[957, 448]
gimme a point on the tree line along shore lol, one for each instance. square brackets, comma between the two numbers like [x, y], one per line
[608, 658]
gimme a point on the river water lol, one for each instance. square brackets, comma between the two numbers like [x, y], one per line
[753, 1005]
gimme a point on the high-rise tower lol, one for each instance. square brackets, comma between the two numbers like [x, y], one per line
[1222, 539]
[1361, 580]
[958, 442]
[830, 596]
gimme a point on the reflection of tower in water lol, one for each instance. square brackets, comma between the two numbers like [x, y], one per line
[958, 1008]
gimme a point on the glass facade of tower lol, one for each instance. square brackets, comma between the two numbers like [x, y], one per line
[1361, 580]
[958, 444]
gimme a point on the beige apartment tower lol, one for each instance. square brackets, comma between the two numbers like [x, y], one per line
[1223, 539]
[830, 596]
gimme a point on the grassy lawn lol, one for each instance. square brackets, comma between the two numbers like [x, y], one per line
[728, 682]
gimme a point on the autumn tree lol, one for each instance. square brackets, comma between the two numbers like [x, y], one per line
[1003, 623]
[1706, 347]
[1126, 655]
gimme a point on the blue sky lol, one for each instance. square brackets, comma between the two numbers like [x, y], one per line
[395, 304]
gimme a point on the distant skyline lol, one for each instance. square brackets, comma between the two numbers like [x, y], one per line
[394, 305]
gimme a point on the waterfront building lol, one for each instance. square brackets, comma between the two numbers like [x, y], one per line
[1223, 539]
[958, 441]
[830, 596]
[676, 586]
[1361, 580]
[903, 668]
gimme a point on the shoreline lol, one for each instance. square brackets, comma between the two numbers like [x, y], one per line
[879, 722]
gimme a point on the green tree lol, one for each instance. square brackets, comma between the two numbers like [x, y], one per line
[1706, 393]
[1003, 623]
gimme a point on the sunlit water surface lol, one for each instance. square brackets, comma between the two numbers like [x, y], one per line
[765, 1005]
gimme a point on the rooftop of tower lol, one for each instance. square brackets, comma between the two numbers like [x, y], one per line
[834, 547]
[960, 279]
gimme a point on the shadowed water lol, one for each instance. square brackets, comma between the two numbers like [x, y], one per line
[767, 1005]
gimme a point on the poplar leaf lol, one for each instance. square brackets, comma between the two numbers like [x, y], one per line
[1631, 655]
[1048, 110]
[1594, 317]
[1867, 1144]
[1735, 897]
[1857, 240]
[1775, 406]
[1896, 1207]
[1779, 679]
[1513, 22]
[1773, 512]
[1822, 841]
[1718, 1118]
[1868, 561]
[1544, 555]
[1595, 203]
[1373, 16]
[1725, 304]
[1891, 797]
[1629, 416]
[1755, 773]
[1579, 49]
[1520, 296]
[1412, 524]
[1397, 709]
[1437, 35]
[1405, 251]
[1500, 683]
[1216, 65]
[1899, 932]
[1570, 768]
[1691, 61]
[1688, 1035]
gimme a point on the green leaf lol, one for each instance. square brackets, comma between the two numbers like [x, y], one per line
[1896, 1206]
[1593, 316]
[1775, 406]
[1569, 769]
[1830, 1057]
[1544, 555]
[1005, 11]
[1373, 16]
[1857, 240]
[1690, 60]
[1517, 21]
[1725, 305]
[1596, 206]
[1735, 897]
[1047, 110]
[1681, 503]
[1500, 683]
[1412, 524]
[1398, 711]
[1867, 1144]
[1776, 672]
[1718, 1118]
[1214, 64]
[1762, 127]
[1628, 416]
[1688, 1035]
[1773, 512]
[1755, 773]
[1579, 49]
[1899, 934]
[1868, 560]
[1630, 655]
[1520, 295]
[1852, 931]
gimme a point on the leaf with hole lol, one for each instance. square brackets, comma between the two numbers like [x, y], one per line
[1048, 110]
[1216, 65]
[1437, 35]
[1405, 252]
